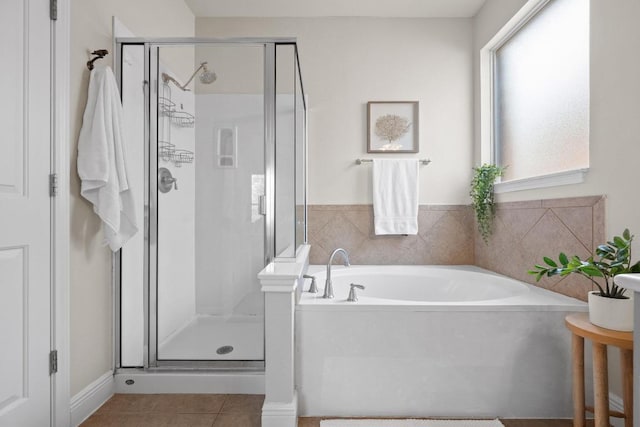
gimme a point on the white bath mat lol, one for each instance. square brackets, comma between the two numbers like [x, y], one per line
[410, 423]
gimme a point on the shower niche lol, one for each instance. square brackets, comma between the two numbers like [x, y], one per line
[216, 138]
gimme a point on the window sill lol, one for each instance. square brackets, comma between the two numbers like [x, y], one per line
[552, 180]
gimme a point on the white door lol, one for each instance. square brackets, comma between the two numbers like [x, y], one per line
[25, 258]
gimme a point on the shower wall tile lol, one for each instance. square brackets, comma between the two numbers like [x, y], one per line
[524, 232]
[445, 236]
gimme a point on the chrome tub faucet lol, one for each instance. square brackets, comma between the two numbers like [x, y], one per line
[328, 287]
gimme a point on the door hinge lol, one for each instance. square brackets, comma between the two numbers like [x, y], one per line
[53, 10]
[53, 362]
[53, 185]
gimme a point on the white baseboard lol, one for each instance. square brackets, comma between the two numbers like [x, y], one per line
[280, 414]
[92, 397]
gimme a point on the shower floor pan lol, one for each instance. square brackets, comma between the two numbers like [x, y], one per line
[216, 338]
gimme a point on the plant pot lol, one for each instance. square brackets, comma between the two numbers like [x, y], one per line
[611, 313]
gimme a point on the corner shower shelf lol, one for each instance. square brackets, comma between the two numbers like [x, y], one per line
[183, 119]
[180, 157]
[165, 106]
[168, 110]
[169, 153]
[165, 150]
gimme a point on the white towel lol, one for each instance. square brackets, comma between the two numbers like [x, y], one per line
[395, 196]
[102, 159]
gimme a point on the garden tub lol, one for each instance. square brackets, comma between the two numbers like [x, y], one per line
[433, 341]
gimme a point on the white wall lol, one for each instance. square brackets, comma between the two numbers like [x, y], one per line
[348, 61]
[91, 291]
[614, 116]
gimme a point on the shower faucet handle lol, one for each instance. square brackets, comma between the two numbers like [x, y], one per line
[353, 297]
[313, 289]
[166, 180]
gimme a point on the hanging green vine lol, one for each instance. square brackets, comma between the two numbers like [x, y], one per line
[482, 197]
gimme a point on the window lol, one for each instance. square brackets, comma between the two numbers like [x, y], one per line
[540, 104]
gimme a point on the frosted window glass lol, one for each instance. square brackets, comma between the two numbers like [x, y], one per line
[542, 93]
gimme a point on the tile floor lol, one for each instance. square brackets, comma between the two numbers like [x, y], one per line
[213, 410]
[179, 410]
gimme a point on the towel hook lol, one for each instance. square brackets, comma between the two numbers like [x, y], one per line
[99, 54]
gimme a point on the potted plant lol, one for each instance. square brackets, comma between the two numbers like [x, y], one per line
[609, 307]
[482, 197]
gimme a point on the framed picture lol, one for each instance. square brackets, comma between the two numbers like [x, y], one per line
[392, 127]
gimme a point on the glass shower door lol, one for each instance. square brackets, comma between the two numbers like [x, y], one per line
[210, 241]
[207, 124]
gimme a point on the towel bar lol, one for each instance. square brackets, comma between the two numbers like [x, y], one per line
[361, 161]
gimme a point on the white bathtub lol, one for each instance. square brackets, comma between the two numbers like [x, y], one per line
[433, 341]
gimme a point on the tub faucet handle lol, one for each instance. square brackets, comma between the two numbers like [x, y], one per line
[353, 297]
[313, 289]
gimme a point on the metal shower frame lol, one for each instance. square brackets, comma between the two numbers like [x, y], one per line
[151, 46]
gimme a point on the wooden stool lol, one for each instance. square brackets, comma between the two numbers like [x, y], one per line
[581, 328]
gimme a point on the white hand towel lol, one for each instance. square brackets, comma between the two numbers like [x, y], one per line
[102, 159]
[395, 196]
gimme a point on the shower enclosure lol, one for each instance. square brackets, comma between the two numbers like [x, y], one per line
[216, 137]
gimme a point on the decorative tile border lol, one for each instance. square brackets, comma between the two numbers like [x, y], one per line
[523, 233]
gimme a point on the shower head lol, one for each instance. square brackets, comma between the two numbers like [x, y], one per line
[206, 77]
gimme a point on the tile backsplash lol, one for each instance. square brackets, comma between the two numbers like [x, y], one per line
[445, 236]
[523, 232]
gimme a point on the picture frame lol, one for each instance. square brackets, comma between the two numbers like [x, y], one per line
[393, 127]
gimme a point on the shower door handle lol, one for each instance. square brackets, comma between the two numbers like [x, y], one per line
[262, 205]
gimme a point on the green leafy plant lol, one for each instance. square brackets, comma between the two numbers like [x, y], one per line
[482, 196]
[614, 258]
